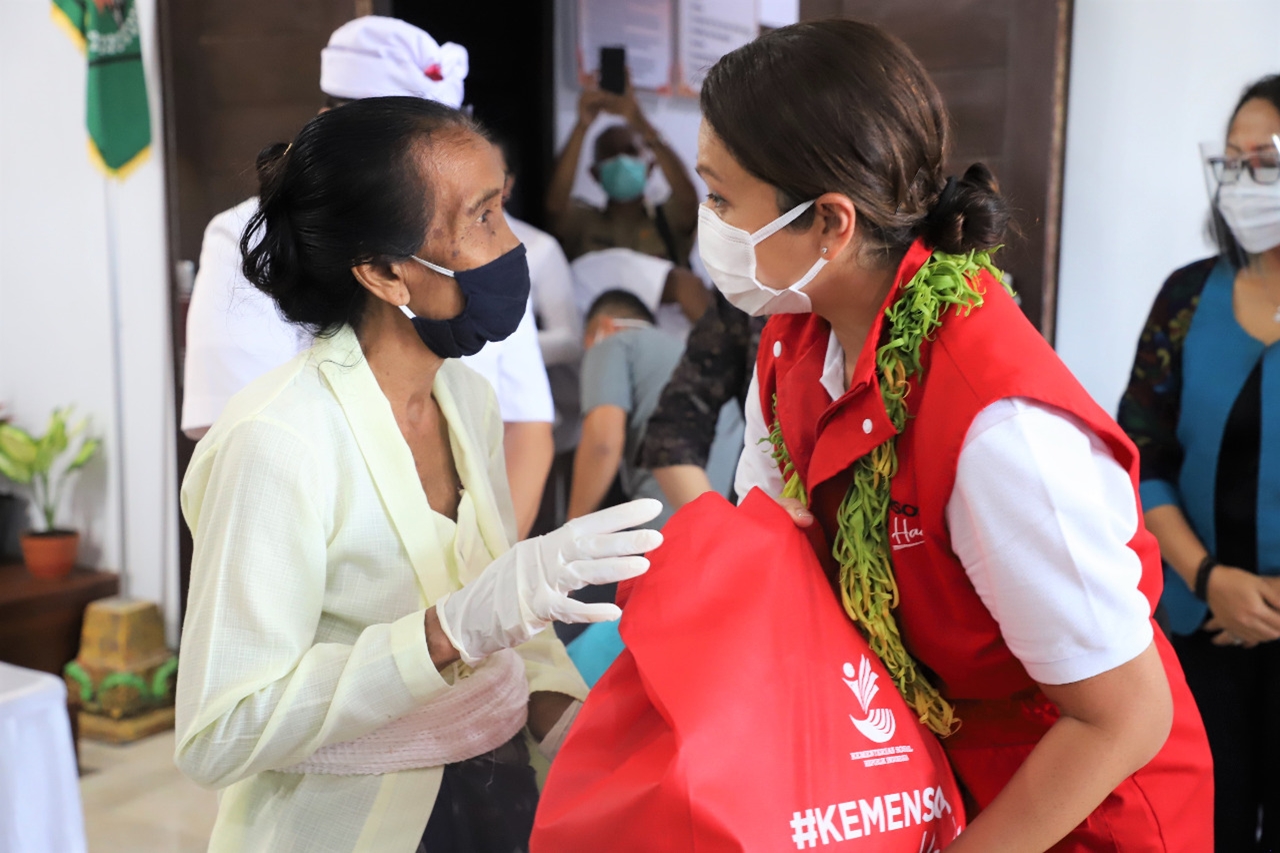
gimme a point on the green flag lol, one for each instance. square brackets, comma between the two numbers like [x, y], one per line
[116, 92]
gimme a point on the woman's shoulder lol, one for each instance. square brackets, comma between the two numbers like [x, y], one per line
[1185, 283]
[288, 403]
[1174, 306]
[274, 432]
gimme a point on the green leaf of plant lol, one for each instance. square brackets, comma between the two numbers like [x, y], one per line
[14, 470]
[55, 440]
[17, 445]
[44, 459]
[82, 458]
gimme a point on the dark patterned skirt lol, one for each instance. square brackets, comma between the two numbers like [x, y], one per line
[486, 804]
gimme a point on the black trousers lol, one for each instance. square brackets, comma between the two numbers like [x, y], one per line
[1238, 693]
[486, 804]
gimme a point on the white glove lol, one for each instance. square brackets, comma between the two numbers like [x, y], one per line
[527, 588]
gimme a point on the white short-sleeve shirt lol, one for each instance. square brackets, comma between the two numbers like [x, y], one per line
[598, 272]
[560, 335]
[515, 369]
[235, 334]
[1040, 516]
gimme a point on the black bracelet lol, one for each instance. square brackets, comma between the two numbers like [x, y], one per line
[1207, 565]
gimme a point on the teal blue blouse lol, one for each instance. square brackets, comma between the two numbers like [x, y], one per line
[1193, 361]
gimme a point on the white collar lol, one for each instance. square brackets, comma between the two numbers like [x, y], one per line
[833, 369]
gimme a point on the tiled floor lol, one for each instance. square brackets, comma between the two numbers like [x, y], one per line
[136, 800]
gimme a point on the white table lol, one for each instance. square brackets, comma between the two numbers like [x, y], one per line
[39, 785]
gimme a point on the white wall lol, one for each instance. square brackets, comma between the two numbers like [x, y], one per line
[1150, 79]
[779, 13]
[56, 334]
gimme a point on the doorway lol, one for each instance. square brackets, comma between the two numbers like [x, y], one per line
[511, 84]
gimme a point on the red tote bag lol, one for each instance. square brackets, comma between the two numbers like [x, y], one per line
[746, 713]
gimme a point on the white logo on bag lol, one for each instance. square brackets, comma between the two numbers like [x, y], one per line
[854, 819]
[878, 724]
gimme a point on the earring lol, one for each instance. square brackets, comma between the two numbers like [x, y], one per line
[824, 250]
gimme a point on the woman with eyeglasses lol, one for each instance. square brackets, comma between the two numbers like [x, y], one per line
[1203, 406]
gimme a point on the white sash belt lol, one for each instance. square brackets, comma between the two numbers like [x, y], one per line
[481, 712]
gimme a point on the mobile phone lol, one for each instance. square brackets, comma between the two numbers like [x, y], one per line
[613, 69]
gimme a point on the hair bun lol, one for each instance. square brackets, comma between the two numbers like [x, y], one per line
[269, 164]
[269, 258]
[968, 214]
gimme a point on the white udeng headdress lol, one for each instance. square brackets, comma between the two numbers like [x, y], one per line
[374, 57]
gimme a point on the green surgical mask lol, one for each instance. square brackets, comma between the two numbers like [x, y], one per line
[624, 177]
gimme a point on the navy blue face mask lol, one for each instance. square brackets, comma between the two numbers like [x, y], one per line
[496, 295]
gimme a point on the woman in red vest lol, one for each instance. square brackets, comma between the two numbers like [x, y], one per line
[977, 510]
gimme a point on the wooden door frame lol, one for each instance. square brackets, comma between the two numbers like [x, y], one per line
[1032, 135]
[171, 114]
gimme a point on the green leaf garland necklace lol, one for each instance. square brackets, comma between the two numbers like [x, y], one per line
[868, 588]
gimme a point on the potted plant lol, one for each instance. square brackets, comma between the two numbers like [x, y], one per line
[45, 464]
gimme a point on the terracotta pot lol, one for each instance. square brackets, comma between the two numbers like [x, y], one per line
[50, 556]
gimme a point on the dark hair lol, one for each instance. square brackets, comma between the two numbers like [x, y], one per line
[614, 139]
[620, 303]
[1266, 89]
[851, 110]
[347, 191]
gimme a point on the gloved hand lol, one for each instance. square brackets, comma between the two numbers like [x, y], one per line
[527, 588]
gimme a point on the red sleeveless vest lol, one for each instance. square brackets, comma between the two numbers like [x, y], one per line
[972, 361]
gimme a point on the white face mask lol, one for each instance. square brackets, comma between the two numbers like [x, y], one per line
[729, 255]
[1252, 211]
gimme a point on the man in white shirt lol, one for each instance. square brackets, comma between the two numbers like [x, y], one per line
[234, 333]
[560, 330]
[677, 297]
[554, 306]
[559, 318]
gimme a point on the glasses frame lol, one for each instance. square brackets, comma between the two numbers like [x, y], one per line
[1228, 169]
